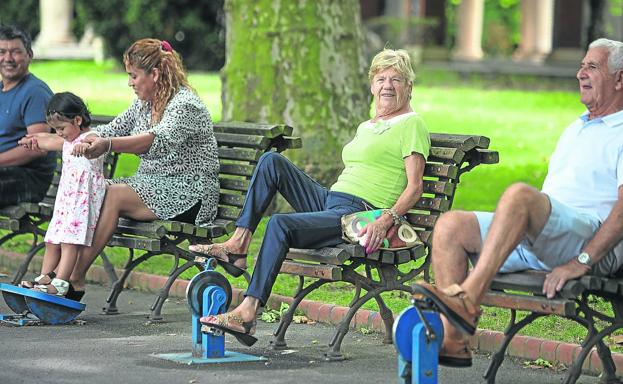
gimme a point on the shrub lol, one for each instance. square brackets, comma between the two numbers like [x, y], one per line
[21, 13]
[195, 28]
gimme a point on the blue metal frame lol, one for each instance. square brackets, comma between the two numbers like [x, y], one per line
[50, 309]
[208, 347]
[418, 335]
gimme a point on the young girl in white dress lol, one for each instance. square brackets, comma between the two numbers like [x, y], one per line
[80, 193]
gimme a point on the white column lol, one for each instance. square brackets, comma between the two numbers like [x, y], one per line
[56, 17]
[469, 31]
[537, 30]
[56, 41]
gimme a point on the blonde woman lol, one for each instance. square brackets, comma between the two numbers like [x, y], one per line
[384, 165]
[170, 129]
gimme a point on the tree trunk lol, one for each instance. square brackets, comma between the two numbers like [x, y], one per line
[300, 63]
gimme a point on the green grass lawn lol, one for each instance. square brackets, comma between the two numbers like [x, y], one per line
[523, 126]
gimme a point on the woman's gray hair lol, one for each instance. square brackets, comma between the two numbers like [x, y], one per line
[389, 58]
[615, 52]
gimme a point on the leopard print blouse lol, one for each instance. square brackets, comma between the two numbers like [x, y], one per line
[181, 167]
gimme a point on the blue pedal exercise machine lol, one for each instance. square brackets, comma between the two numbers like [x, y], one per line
[418, 334]
[208, 293]
[31, 306]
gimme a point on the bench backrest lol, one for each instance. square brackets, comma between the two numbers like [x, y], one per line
[240, 145]
[450, 156]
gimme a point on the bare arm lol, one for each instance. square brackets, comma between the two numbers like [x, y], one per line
[48, 141]
[19, 156]
[414, 166]
[136, 144]
[606, 238]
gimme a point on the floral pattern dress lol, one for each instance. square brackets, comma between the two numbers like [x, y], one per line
[181, 167]
[81, 191]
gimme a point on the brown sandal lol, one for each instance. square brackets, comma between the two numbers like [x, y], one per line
[455, 353]
[221, 322]
[452, 303]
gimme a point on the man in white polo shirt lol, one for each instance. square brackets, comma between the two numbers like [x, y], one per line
[573, 226]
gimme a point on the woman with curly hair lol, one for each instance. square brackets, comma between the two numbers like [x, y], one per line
[170, 129]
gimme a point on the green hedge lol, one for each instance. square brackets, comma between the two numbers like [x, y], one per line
[195, 28]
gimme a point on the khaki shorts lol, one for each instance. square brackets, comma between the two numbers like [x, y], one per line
[566, 232]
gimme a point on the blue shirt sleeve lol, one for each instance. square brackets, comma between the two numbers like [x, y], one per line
[35, 105]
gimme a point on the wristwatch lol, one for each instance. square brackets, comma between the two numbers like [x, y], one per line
[584, 259]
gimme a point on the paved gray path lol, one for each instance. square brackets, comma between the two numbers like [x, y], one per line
[118, 349]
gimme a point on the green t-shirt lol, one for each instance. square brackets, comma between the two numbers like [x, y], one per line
[374, 167]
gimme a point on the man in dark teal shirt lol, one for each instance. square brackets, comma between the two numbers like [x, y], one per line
[24, 175]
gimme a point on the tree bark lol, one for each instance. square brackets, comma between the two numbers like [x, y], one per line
[300, 63]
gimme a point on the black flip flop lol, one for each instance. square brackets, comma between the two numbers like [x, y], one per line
[242, 337]
[228, 266]
[74, 295]
[455, 362]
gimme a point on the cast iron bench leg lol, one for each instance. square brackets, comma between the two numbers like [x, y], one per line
[576, 368]
[109, 268]
[23, 267]
[335, 354]
[156, 308]
[498, 357]
[117, 287]
[279, 342]
[388, 319]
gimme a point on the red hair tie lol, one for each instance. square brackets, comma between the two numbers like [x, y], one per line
[166, 46]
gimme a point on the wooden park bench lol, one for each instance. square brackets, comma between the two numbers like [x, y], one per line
[582, 300]
[32, 218]
[240, 146]
[382, 271]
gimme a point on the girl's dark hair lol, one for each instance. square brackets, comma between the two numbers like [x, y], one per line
[66, 106]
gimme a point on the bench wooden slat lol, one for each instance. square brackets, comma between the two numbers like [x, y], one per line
[464, 142]
[246, 154]
[327, 272]
[442, 155]
[267, 130]
[235, 140]
[13, 211]
[532, 281]
[439, 187]
[241, 185]
[334, 256]
[611, 286]
[433, 204]
[441, 170]
[12, 225]
[218, 228]
[288, 142]
[228, 213]
[488, 157]
[152, 229]
[539, 304]
[417, 252]
[236, 169]
[423, 221]
[134, 243]
[231, 199]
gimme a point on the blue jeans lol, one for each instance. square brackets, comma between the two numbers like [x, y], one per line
[315, 224]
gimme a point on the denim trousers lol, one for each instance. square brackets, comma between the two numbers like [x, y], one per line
[315, 224]
[22, 184]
